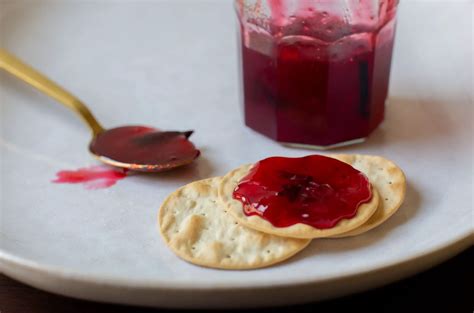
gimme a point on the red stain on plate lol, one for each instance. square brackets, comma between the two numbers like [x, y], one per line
[93, 177]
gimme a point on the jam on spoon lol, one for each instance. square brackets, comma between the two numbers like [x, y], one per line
[146, 148]
[137, 148]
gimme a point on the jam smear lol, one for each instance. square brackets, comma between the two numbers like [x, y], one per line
[145, 146]
[94, 177]
[315, 190]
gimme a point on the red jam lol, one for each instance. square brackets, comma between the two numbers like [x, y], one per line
[145, 146]
[303, 84]
[313, 190]
[94, 177]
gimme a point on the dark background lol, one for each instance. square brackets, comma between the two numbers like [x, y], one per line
[445, 288]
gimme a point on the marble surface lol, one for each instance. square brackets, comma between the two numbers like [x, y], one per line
[173, 64]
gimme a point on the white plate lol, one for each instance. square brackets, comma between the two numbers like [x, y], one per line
[172, 64]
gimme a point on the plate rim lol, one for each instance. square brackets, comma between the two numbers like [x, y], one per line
[455, 245]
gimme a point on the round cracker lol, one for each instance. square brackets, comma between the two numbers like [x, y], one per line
[389, 181]
[199, 230]
[234, 207]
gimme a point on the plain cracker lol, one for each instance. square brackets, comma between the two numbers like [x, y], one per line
[200, 231]
[234, 207]
[389, 181]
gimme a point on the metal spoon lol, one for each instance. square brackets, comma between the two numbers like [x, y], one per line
[137, 148]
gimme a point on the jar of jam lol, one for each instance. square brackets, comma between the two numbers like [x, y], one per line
[316, 72]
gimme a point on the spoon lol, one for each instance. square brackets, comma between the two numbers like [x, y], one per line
[137, 148]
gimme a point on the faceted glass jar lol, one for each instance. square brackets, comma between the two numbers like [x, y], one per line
[316, 72]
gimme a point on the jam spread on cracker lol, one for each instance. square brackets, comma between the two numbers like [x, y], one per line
[315, 190]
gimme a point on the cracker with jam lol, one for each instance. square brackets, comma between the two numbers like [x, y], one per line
[263, 213]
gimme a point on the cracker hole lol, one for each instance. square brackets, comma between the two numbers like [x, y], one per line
[236, 223]
[193, 247]
[380, 168]
[232, 239]
[227, 256]
[389, 182]
[203, 214]
[268, 251]
[386, 199]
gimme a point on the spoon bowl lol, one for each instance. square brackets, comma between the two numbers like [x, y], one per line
[144, 149]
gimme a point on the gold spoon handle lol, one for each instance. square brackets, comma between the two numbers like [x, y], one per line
[29, 75]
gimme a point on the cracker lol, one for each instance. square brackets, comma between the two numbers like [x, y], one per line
[199, 230]
[234, 207]
[387, 178]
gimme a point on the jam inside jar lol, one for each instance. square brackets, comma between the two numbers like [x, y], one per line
[316, 72]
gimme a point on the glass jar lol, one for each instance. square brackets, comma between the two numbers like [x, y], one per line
[316, 72]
